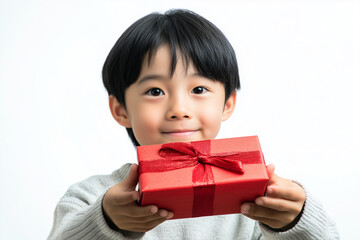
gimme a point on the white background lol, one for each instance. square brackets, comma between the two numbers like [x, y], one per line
[299, 67]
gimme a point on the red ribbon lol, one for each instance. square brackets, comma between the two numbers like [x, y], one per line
[198, 154]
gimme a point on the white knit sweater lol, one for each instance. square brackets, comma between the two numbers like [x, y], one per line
[79, 215]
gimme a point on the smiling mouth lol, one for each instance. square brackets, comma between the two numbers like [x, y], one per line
[180, 133]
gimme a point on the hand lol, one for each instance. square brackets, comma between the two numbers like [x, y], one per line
[119, 204]
[281, 205]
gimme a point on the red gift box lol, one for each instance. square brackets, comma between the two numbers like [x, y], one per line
[202, 178]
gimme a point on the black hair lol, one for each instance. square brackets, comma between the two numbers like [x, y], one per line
[197, 39]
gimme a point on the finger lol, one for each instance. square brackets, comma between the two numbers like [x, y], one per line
[276, 180]
[251, 209]
[130, 182]
[278, 204]
[117, 197]
[148, 223]
[135, 211]
[270, 169]
[162, 213]
[292, 192]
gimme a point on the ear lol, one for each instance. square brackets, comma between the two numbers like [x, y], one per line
[229, 106]
[118, 112]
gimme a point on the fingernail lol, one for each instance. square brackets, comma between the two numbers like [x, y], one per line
[269, 190]
[170, 215]
[259, 202]
[245, 209]
[153, 210]
[163, 214]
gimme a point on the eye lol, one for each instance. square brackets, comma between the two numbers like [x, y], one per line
[199, 90]
[155, 92]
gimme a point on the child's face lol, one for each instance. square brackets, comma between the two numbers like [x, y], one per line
[184, 107]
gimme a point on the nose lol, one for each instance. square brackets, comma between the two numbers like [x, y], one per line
[178, 108]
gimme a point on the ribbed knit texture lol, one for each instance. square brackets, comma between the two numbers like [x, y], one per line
[313, 224]
[79, 215]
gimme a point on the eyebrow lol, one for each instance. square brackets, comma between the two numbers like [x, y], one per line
[151, 77]
[162, 77]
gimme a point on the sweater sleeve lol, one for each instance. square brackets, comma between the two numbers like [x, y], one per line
[79, 214]
[313, 224]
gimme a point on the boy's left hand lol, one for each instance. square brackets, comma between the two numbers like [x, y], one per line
[282, 204]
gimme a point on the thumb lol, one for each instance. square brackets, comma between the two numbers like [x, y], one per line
[129, 183]
[270, 169]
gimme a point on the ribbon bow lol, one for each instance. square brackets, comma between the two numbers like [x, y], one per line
[192, 156]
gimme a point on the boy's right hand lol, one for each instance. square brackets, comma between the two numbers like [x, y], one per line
[120, 204]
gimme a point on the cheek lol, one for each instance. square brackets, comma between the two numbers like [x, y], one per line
[145, 124]
[211, 116]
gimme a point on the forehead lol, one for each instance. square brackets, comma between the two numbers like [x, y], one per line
[164, 61]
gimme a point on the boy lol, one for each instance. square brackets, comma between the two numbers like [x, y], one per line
[172, 78]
